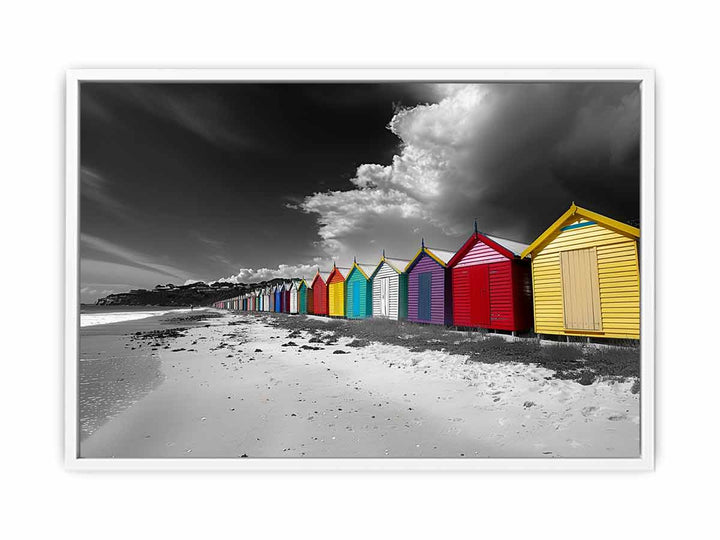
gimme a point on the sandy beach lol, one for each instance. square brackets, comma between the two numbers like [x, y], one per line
[218, 384]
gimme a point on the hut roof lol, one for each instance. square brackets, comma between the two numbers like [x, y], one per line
[337, 269]
[441, 256]
[396, 264]
[509, 248]
[365, 269]
[317, 276]
[576, 211]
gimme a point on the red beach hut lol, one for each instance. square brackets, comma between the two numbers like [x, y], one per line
[319, 295]
[491, 284]
[286, 297]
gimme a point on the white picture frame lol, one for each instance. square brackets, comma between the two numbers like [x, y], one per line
[646, 80]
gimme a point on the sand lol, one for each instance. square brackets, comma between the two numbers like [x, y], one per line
[236, 386]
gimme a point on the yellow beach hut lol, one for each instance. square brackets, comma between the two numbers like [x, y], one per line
[586, 277]
[336, 293]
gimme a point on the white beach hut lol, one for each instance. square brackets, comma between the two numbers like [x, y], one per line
[389, 289]
[266, 299]
[294, 304]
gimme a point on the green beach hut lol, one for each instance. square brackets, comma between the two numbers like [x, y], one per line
[358, 293]
[305, 297]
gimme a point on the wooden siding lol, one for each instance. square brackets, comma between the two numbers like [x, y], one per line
[358, 296]
[618, 275]
[294, 304]
[386, 272]
[278, 301]
[480, 254]
[440, 307]
[310, 297]
[522, 295]
[403, 297]
[336, 294]
[320, 297]
[285, 300]
[336, 299]
[302, 298]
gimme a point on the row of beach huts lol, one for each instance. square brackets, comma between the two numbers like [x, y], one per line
[581, 277]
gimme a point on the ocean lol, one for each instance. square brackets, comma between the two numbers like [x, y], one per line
[91, 315]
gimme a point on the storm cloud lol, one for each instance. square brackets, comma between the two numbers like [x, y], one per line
[511, 156]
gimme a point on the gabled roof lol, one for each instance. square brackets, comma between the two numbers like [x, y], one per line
[440, 256]
[572, 213]
[317, 276]
[334, 271]
[364, 269]
[509, 248]
[395, 264]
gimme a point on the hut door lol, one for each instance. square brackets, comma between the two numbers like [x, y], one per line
[424, 296]
[385, 297]
[581, 289]
[482, 295]
[356, 299]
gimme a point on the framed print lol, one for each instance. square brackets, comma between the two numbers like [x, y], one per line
[360, 269]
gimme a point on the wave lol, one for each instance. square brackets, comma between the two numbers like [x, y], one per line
[93, 319]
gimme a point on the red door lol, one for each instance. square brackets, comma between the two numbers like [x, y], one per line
[481, 300]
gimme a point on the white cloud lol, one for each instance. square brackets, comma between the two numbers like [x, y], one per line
[253, 275]
[392, 203]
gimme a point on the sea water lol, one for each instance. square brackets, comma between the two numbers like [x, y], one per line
[92, 316]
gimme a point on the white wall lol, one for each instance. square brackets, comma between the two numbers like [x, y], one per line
[386, 272]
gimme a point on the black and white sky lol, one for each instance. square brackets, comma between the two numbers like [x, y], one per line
[249, 181]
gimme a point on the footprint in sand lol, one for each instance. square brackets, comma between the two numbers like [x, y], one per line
[588, 411]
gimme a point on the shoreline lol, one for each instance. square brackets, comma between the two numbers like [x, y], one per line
[122, 314]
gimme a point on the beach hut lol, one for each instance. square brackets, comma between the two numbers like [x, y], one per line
[491, 284]
[336, 293]
[389, 289]
[266, 298]
[294, 299]
[358, 292]
[429, 290]
[258, 300]
[277, 294]
[305, 298]
[320, 295]
[586, 277]
[286, 297]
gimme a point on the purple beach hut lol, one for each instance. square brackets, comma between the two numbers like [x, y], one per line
[429, 287]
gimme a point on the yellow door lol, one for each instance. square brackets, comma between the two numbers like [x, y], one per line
[337, 299]
[581, 290]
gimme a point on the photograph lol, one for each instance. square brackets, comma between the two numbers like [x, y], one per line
[417, 267]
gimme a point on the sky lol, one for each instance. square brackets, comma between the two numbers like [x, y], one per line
[248, 181]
